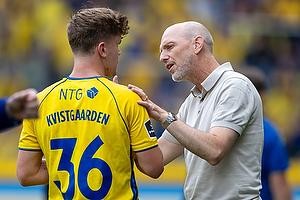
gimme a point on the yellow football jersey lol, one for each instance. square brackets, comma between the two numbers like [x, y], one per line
[87, 130]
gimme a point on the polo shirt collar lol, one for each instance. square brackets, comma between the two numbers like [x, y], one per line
[211, 80]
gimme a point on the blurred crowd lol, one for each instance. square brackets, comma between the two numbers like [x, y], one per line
[34, 50]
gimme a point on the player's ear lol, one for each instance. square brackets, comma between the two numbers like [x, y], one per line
[101, 49]
[198, 44]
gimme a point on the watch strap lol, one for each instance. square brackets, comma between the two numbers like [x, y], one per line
[171, 117]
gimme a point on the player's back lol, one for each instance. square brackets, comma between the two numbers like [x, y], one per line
[84, 132]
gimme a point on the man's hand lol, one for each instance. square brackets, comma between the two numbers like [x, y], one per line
[154, 110]
[23, 104]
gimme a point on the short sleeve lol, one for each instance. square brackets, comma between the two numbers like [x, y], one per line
[142, 134]
[28, 140]
[235, 105]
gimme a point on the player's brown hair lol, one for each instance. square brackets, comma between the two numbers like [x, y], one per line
[87, 27]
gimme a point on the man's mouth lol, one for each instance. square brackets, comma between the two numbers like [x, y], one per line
[169, 66]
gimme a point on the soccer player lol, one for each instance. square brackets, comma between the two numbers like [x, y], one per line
[90, 130]
[20, 105]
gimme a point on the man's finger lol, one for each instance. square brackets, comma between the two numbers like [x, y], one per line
[31, 94]
[115, 79]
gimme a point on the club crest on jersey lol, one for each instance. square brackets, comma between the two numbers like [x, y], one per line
[150, 129]
[91, 93]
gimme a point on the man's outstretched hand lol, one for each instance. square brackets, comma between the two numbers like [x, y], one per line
[23, 104]
[154, 110]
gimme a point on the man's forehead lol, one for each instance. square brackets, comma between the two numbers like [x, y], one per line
[171, 30]
[165, 40]
[171, 34]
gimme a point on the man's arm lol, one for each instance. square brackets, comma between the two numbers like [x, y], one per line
[279, 186]
[31, 168]
[22, 104]
[211, 146]
[5, 121]
[150, 162]
[18, 106]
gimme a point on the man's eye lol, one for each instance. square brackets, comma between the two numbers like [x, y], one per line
[170, 46]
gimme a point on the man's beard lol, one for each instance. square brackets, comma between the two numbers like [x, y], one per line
[182, 71]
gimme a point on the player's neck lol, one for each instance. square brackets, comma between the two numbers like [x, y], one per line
[84, 68]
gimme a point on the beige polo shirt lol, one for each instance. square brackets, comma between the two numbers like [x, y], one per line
[228, 99]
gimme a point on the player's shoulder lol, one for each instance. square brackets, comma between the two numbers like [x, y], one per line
[122, 91]
[49, 88]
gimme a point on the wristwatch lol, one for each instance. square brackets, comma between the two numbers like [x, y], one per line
[171, 118]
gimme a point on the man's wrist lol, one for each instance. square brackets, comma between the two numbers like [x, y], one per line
[8, 109]
[171, 118]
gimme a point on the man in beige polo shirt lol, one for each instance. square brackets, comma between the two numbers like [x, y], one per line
[219, 127]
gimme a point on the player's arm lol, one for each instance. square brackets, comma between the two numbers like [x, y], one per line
[150, 162]
[169, 150]
[31, 168]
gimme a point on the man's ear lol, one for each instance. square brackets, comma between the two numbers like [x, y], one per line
[101, 49]
[199, 43]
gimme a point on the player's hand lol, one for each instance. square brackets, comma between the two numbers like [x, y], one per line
[23, 104]
[154, 110]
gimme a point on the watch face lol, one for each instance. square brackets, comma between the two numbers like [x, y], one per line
[174, 117]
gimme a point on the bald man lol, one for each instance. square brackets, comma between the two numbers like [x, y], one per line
[219, 127]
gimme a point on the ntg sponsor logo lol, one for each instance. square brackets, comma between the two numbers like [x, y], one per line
[70, 94]
[91, 93]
